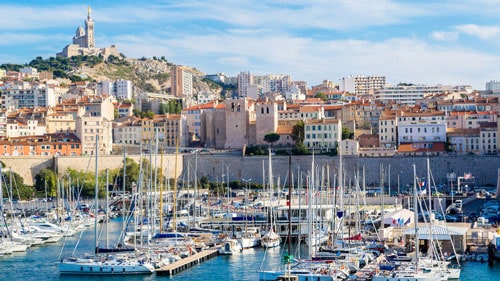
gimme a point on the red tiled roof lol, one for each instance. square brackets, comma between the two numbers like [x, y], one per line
[409, 147]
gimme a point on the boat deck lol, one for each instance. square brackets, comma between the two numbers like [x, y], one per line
[188, 262]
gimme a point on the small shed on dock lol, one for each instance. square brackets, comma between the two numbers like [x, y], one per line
[448, 237]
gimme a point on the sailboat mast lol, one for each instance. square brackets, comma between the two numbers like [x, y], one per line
[270, 174]
[96, 191]
[161, 191]
[289, 204]
[174, 203]
[123, 187]
[415, 215]
[107, 206]
[428, 187]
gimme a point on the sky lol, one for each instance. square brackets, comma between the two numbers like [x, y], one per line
[448, 42]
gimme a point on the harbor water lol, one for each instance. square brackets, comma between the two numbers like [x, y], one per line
[40, 263]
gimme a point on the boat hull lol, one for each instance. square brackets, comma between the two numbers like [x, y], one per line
[96, 268]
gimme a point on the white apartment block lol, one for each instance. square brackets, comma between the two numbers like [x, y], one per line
[322, 134]
[493, 85]
[361, 85]
[408, 95]
[123, 89]
[3, 124]
[181, 82]
[206, 96]
[28, 95]
[20, 128]
[275, 83]
[425, 128]
[488, 138]
[105, 88]
[88, 128]
[388, 131]
[294, 93]
[245, 79]
[129, 133]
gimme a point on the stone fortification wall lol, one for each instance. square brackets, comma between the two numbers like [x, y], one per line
[484, 168]
[27, 166]
[87, 163]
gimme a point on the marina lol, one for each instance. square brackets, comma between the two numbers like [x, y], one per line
[186, 263]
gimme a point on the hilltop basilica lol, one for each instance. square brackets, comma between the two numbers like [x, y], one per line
[84, 42]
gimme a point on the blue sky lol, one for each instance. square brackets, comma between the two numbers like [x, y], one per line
[445, 42]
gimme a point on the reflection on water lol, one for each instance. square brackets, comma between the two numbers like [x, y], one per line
[40, 263]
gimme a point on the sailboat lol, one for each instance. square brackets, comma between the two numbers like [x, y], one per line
[413, 271]
[298, 270]
[105, 264]
[271, 239]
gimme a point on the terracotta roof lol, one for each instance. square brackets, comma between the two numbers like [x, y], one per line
[408, 147]
[284, 129]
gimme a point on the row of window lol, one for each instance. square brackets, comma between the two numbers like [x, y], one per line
[320, 127]
[434, 130]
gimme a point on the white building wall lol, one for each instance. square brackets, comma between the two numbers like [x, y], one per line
[123, 89]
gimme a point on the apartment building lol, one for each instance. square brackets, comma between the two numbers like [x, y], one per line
[18, 127]
[45, 145]
[87, 129]
[421, 132]
[469, 119]
[59, 122]
[361, 85]
[409, 94]
[245, 79]
[388, 124]
[127, 130]
[28, 95]
[181, 80]
[322, 133]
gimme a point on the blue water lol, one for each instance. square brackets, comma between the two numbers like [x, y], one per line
[40, 263]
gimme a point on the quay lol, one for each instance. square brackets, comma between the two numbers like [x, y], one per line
[188, 262]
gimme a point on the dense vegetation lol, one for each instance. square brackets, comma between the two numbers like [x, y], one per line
[61, 66]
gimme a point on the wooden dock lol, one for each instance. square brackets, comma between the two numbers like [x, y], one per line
[188, 262]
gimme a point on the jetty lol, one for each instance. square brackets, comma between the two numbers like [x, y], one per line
[188, 262]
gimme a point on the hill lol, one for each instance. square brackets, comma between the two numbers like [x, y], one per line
[147, 75]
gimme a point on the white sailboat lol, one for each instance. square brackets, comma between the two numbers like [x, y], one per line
[271, 239]
[105, 264]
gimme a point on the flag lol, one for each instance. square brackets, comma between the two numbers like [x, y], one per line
[423, 188]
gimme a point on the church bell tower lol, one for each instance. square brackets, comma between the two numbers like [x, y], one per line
[89, 30]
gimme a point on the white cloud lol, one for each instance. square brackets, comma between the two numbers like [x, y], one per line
[444, 35]
[482, 32]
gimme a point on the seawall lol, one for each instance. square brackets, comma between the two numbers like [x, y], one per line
[484, 168]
